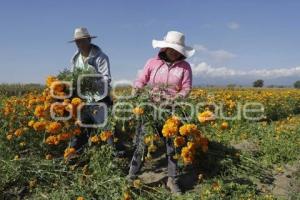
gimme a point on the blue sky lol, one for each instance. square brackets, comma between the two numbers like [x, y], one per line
[237, 41]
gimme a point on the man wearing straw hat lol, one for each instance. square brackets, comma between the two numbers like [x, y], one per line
[90, 56]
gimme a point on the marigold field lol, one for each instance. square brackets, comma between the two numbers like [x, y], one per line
[223, 152]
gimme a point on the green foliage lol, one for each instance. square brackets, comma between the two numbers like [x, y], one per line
[297, 84]
[258, 83]
[19, 89]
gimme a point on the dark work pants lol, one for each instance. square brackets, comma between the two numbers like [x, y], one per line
[137, 161]
[92, 115]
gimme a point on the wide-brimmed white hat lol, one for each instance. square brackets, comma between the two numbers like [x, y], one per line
[81, 33]
[176, 41]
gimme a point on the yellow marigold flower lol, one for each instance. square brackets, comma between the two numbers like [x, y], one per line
[187, 155]
[224, 125]
[9, 137]
[50, 80]
[216, 186]
[80, 198]
[188, 129]
[39, 111]
[17, 157]
[76, 101]
[53, 127]
[148, 140]
[69, 151]
[32, 183]
[174, 120]
[191, 146]
[22, 144]
[47, 106]
[127, 196]
[138, 111]
[69, 107]
[105, 135]
[179, 141]
[30, 123]
[19, 132]
[152, 148]
[170, 129]
[95, 139]
[206, 116]
[137, 183]
[48, 157]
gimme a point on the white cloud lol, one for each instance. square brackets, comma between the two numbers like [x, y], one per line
[222, 55]
[233, 25]
[218, 56]
[206, 70]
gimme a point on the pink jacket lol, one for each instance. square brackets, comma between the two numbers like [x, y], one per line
[176, 79]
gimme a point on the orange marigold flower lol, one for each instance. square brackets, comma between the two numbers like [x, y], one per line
[39, 126]
[53, 127]
[58, 87]
[105, 135]
[64, 136]
[59, 109]
[39, 111]
[80, 198]
[206, 116]
[69, 151]
[52, 140]
[19, 132]
[224, 125]
[179, 141]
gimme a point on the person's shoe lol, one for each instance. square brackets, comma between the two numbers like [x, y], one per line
[173, 185]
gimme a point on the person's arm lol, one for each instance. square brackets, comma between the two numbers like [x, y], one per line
[103, 67]
[186, 82]
[143, 77]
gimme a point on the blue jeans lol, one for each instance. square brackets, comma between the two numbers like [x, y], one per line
[136, 161]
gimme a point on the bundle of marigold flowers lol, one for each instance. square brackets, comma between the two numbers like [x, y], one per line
[187, 139]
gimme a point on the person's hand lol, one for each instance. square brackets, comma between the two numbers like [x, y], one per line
[136, 91]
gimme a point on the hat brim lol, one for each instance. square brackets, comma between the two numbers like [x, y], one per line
[186, 51]
[92, 37]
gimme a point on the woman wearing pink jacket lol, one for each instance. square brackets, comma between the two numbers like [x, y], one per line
[170, 76]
